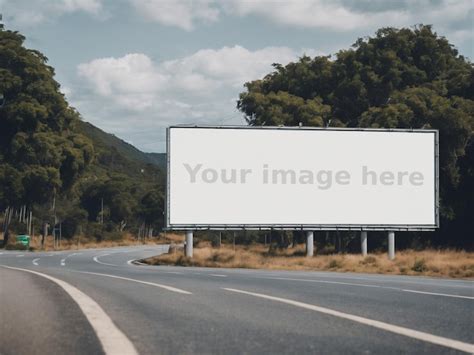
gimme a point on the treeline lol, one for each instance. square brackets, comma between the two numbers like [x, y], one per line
[54, 178]
[57, 174]
[400, 78]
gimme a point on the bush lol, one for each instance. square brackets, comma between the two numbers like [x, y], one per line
[16, 247]
[419, 265]
[334, 264]
[369, 260]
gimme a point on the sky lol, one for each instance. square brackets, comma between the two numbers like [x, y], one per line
[134, 67]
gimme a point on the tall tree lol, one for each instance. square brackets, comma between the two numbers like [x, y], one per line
[39, 150]
[40, 153]
[400, 78]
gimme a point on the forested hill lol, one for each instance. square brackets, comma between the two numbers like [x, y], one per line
[59, 169]
[107, 140]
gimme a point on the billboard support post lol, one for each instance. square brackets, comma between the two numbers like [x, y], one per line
[309, 243]
[363, 243]
[391, 245]
[189, 244]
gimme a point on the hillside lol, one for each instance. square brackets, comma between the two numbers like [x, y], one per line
[60, 173]
[107, 140]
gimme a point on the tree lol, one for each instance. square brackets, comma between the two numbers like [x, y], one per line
[38, 145]
[400, 78]
[151, 209]
[40, 154]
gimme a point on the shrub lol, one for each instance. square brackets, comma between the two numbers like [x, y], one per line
[419, 265]
[16, 247]
[369, 260]
[334, 263]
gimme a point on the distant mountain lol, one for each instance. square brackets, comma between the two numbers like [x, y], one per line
[106, 140]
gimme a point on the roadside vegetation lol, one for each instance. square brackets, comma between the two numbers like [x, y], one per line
[79, 242]
[61, 176]
[436, 263]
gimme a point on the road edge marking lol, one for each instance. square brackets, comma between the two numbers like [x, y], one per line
[411, 333]
[136, 262]
[96, 259]
[112, 339]
[365, 285]
[166, 287]
[438, 294]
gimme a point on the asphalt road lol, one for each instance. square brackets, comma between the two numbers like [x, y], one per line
[97, 301]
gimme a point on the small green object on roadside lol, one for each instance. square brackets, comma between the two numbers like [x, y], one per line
[23, 239]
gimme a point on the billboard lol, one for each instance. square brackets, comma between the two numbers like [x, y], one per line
[241, 177]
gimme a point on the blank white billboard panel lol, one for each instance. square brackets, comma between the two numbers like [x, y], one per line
[225, 177]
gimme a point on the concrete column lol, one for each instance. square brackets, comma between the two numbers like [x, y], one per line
[309, 243]
[189, 244]
[363, 243]
[391, 245]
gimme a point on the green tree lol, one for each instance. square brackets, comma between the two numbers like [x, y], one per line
[39, 150]
[400, 78]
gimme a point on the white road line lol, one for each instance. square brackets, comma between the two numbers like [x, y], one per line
[218, 275]
[96, 259]
[35, 261]
[422, 281]
[63, 261]
[323, 281]
[113, 340]
[411, 333]
[169, 288]
[439, 294]
[136, 262]
[395, 279]
[367, 285]
[19, 256]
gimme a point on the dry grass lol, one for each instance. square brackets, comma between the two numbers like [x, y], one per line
[444, 263]
[88, 243]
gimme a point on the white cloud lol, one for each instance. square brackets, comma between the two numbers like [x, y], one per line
[309, 13]
[136, 82]
[341, 15]
[179, 13]
[134, 95]
[26, 13]
[452, 18]
[228, 66]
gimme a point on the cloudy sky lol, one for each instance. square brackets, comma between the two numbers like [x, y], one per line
[133, 67]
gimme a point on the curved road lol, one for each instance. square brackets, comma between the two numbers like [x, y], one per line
[98, 301]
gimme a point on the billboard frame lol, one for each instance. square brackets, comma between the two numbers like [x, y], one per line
[305, 227]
